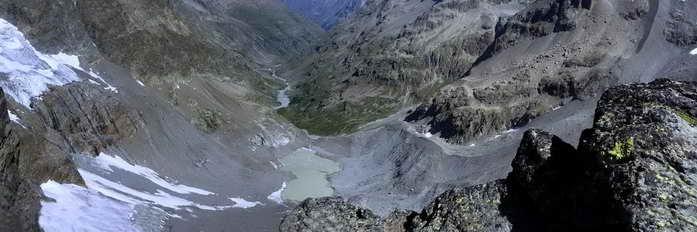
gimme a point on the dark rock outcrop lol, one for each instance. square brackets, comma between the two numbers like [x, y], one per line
[4, 114]
[79, 118]
[26, 160]
[542, 18]
[681, 28]
[10, 182]
[470, 209]
[633, 171]
[85, 119]
[645, 136]
[330, 214]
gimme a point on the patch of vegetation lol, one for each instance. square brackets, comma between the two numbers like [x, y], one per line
[208, 120]
[663, 197]
[621, 150]
[680, 113]
[344, 117]
[687, 117]
[429, 91]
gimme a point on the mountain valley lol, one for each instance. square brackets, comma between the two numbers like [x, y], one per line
[348, 115]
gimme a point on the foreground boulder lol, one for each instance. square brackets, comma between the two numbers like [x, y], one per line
[635, 170]
[330, 214]
[645, 135]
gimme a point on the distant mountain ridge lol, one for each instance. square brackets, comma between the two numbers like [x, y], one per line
[326, 13]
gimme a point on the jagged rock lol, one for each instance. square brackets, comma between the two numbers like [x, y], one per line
[330, 214]
[4, 113]
[471, 209]
[76, 118]
[85, 118]
[634, 10]
[545, 184]
[534, 167]
[681, 28]
[500, 93]
[645, 136]
[9, 183]
[540, 19]
[19, 196]
[635, 170]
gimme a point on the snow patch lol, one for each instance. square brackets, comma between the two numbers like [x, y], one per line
[98, 77]
[94, 75]
[29, 73]
[76, 208]
[275, 166]
[164, 195]
[107, 162]
[244, 204]
[66, 59]
[276, 196]
[112, 89]
[279, 141]
[26, 72]
[94, 82]
[15, 118]
[132, 196]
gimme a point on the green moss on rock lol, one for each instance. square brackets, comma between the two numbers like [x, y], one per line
[680, 113]
[621, 150]
[687, 117]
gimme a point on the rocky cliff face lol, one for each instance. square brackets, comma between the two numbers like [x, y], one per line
[76, 119]
[324, 12]
[631, 172]
[553, 64]
[86, 119]
[477, 68]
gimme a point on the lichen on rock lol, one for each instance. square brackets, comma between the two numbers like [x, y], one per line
[622, 149]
